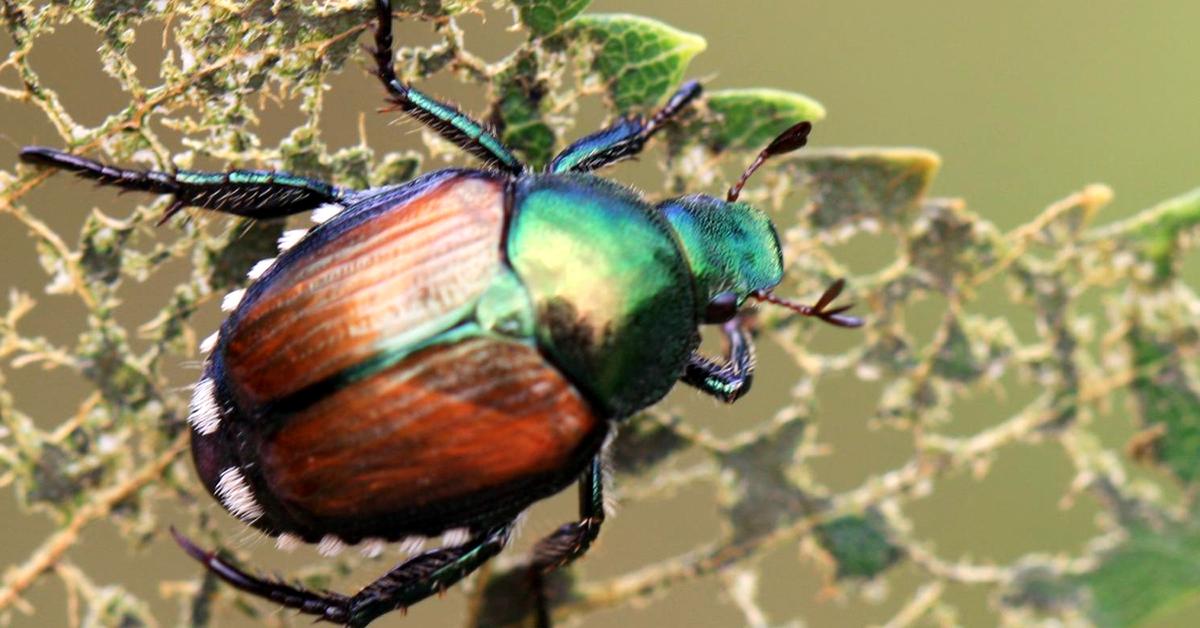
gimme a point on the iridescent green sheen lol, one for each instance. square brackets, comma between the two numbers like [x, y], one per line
[256, 176]
[464, 124]
[731, 247]
[597, 145]
[200, 178]
[505, 309]
[613, 293]
[251, 177]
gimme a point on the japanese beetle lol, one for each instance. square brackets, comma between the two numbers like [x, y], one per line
[436, 356]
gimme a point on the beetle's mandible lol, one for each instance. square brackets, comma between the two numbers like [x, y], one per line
[435, 356]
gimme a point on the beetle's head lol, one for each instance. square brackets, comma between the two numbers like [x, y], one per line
[733, 249]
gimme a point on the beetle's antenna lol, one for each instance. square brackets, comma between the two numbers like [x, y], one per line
[833, 317]
[792, 139]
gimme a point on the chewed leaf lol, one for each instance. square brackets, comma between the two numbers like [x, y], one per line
[1039, 587]
[431, 8]
[859, 545]
[638, 60]
[746, 119]
[543, 17]
[946, 242]
[849, 185]
[1152, 572]
[760, 494]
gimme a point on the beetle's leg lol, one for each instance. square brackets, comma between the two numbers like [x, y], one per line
[726, 380]
[425, 575]
[570, 540]
[250, 193]
[623, 139]
[326, 605]
[407, 584]
[447, 121]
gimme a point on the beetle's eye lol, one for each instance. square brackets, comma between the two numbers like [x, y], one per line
[722, 308]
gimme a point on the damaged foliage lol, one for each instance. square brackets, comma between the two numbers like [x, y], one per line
[117, 457]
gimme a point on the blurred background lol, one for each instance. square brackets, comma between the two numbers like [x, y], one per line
[1025, 101]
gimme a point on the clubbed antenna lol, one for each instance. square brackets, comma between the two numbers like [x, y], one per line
[792, 139]
[833, 317]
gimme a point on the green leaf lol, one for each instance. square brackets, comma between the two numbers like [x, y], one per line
[1155, 571]
[520, 102]
[859, 545]
[1156, 231]
[638, 60]
[543, 17]
[748, 119]
[1166, 399]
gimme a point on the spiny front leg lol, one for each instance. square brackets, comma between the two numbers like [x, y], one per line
[249, 193]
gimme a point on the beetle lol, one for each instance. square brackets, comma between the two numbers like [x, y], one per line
[435, 356]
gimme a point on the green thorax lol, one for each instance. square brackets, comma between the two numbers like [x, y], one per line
[730, 247]
[612, 291]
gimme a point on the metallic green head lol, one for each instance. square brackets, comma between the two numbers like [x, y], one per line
[732, 249]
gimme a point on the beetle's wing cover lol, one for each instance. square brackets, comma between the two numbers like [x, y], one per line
[392, 269]
[455, 431]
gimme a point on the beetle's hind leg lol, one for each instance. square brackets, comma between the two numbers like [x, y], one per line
[410, 582]
[249, 193]
[326, 605]
[570, 540]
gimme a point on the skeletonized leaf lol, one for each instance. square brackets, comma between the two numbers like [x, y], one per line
[745, 119]
[851, 184]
